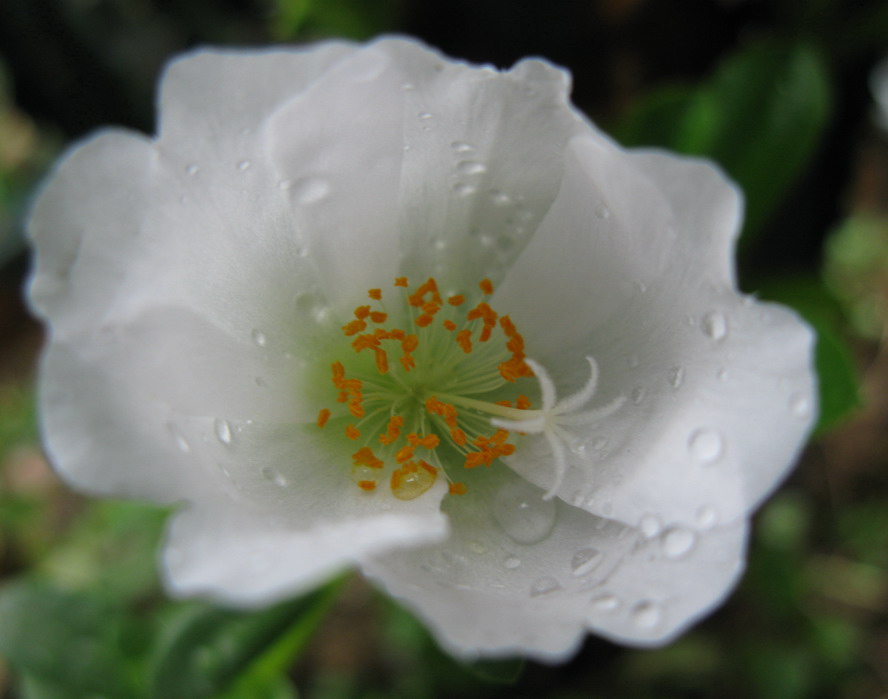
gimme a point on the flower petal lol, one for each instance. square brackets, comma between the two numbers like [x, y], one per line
[519, 575]
[719, 388]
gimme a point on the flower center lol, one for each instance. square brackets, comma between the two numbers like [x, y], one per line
[418, 396]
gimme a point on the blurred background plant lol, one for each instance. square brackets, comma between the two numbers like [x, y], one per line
[782, 93]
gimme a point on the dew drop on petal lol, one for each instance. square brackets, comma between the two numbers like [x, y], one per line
[470, 167]
[599, 443]
[650, 526]
[544, 586]
[192, 169]
[522, 513]
[722, 374]
[408, 87]
[606, 603]
[646, 615]
[259, 337]
[638, 394]
[706, 445]
[275, 476]
[461, 147]
[223, 431]
[800, 406]
[707, 517]
[678, 542]
[512, 562]
[499, 198]
[243, 165]
[425, 115]
[180, 440]
[585, 561]
[714, 325]
[676, 376]
[602, 212]
[463, 189]
[309, 190]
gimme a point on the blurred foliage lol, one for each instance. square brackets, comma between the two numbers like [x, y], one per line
[773, 90]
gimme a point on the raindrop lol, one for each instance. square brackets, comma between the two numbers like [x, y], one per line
[706, 445]
[646, 615]
[707, 517]
[800, 406]
[310, 190]
[512, 562]
[599, 443]
[223, 431]
[425, 115]
[578, 448]
[408, 86]
[722, 374]
[650, 526]
[544, 586]
[641, 286]
[606, 603]
[585, 561]
[678, 542]
[470, 167]
[676, 376]
[243, 165]
[714, 325]
[499, 198]
[461, 147]
[275, 476]
[463, 189]
[180, 440]
[638, 395]
[192, 169]
[602, 212]
[522, 513]
[259, 337]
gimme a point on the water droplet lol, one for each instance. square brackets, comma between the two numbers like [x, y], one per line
[602, 212]
[606, 603]
[678, 542]
[512, 562]
[476, 547]
[192, 169]
[425, 115]
[714, 325]
[285, 184]
[544, 586]
[463, 189]
[707, 517]
[638, 394]
[275, 476]
[722, 374]
[646, 615]
[243, 165]
[676, 376]
[585, 561]
[309, 190]
[706, 445]
[800, 406]
[650, 526]
[408, 86]
[461, 147]
[470, 167]
[499, 198]
[522, 513]
[180, 440]
[223, 431]
[259, 337]
[599, 443]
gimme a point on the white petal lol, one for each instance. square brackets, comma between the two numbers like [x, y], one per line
[719, 388]
[536, 592]
[288, 517]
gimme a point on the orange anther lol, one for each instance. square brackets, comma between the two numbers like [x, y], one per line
[428, 467]
[338, 372]
[408, 362]
[397, 334]
[450, 325]
[323, 416]
[378, 316]
[352, 432]
[458, 489]
[464, 340]
[375, 294]
[367, 485]
[458, 436]
[361, 312]
[393, 430]
[354, 327]
[457, 300]
[401, 281]
[486, 286]
[429, 441]
[365, 457]
[504, 403]
[404, 454]
[382, 364]
[409, 343]
[424, 320]
[523, 402]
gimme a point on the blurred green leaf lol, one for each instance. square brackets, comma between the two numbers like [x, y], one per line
[506, 671]
[71, 640]
[761, 116]
[208, 651]
[353, 19]
[837, 376]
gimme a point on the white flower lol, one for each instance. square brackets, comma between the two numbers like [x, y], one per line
[204, 288]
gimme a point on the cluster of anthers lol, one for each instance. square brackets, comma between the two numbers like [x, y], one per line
[443, 391]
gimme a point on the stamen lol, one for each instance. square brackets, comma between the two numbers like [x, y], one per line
[323, 417]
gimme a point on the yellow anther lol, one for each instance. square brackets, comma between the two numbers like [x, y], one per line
[365, 457]
[352, 432]
[393, 430]
[522, 402]
[456, 300]
[323, 417]
[412, 480]
[375, 294]
[378, 316]
[354, 327]
[367, 485]
[404, 454]
[450, 325]
[401, 281]
[486, 286]
[458, 489]
[464, 340]
[361, 312]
